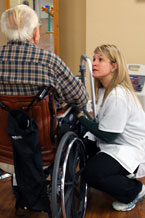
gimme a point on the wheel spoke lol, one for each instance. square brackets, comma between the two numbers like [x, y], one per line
[68, 193]
[73, 208]
[76, 192]
[75, 161]
[69, 171]
[68, 204]
[72, 163]
[68, 189]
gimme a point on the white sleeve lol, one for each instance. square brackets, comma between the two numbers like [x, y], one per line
[114, 114]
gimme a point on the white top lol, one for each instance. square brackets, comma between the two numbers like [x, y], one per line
[120, 114]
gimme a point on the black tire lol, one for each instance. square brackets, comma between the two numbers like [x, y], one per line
[69, 191]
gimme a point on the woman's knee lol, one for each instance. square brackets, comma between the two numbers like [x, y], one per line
[93, 174]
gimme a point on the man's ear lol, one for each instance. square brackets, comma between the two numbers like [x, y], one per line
[36, 35]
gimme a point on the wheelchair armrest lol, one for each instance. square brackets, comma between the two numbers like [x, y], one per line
[63, 112]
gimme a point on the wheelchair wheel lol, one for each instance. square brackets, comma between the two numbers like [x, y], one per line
[69, 191]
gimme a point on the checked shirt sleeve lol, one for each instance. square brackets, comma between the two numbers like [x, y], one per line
[70, 88]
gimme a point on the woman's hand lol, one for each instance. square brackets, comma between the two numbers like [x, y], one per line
[80, 114]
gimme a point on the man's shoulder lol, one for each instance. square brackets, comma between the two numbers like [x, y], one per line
[46, 53]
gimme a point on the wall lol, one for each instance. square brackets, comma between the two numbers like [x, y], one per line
[84, 24]
[15, 2]
[2, 8]
[119, 22]
[72, 32]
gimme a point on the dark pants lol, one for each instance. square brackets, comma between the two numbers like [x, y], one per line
[104, 173]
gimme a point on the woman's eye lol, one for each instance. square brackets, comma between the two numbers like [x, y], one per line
[100, 59]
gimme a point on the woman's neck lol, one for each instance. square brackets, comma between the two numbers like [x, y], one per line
[105, 81]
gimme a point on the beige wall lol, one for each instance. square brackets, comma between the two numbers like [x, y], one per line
[86, 23]
[72, 24]
[15, 2]
[121, 22]
[2, 8]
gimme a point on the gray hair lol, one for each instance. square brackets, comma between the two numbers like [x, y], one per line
[18, 23]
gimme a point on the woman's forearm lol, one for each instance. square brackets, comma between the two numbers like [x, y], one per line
[92, 127]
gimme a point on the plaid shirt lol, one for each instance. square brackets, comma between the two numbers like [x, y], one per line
[24, 68]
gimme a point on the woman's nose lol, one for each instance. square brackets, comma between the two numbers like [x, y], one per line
[95, 62]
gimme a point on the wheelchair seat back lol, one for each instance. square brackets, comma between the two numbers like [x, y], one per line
[44, 114]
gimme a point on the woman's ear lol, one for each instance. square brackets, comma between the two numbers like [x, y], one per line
[36, 35]
[114, 66]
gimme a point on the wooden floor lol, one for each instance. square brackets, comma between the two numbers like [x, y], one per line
[99, 205]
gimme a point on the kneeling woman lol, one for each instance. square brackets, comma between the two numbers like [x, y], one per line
[120, 131]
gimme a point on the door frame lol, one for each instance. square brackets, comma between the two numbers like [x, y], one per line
[56, 26]
[7, 4]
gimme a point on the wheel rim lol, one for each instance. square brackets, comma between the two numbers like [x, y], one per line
[73, 190]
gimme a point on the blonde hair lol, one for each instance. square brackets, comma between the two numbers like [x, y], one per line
[120, 75]
[18, 23]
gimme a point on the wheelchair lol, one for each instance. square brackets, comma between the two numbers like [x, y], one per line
[62, 147]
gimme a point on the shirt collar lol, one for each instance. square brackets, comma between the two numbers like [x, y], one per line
[19, 42]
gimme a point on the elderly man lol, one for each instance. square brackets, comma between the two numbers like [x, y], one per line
[24, 67]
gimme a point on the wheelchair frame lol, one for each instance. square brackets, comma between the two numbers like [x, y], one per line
[69, 190]
[66, 186]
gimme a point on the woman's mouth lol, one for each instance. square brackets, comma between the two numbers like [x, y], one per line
[95, 70]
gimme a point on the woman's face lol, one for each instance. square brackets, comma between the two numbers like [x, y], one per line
[102, 68]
